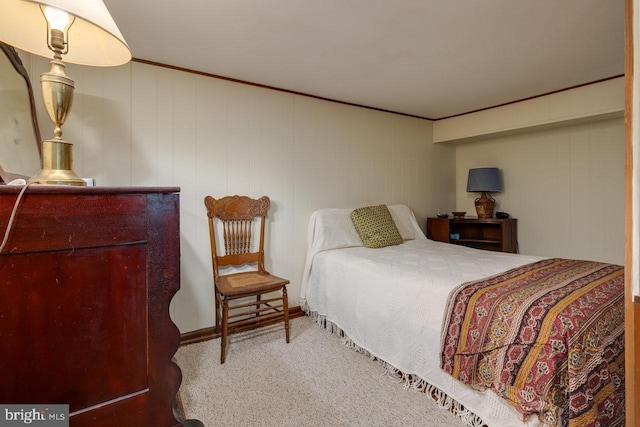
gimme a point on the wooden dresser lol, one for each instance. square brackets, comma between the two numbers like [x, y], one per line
[86, 278]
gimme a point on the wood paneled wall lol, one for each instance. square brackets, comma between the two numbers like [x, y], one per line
[564, 185]
[141, 124]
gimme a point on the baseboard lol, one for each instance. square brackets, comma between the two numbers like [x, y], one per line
[206, 334]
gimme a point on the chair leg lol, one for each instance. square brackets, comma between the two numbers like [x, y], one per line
[258, 304]
[285, 303]
[217, 310]
[223, 338]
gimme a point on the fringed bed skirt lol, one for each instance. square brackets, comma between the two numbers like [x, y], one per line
[411, 381]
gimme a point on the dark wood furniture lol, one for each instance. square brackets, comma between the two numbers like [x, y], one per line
[482, 233]
[86, 278]
[236, 216]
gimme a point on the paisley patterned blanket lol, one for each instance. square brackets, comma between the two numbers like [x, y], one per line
[547, 336]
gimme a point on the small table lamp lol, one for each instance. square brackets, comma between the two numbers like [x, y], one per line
[484, 180]
[85, 33]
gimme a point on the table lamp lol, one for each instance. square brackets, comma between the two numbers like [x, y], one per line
[484, 180]
[81, 30]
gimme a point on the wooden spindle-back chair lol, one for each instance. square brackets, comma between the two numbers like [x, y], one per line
[237, 216]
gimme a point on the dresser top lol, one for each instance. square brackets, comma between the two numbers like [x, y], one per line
[73, 190]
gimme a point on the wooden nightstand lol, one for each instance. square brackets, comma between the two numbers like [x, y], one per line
[481, 233]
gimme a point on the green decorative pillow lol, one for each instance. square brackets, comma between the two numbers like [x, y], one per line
[375, 226]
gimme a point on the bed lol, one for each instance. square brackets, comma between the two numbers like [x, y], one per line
[391, 302]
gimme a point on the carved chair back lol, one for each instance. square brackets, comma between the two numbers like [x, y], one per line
[236, 215]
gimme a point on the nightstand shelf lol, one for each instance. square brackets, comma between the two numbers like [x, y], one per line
[481, 233]
[478, 241]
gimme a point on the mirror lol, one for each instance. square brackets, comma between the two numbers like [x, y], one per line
[19, 133]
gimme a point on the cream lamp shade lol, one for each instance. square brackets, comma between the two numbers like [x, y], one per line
[94, 38]
[81, 31]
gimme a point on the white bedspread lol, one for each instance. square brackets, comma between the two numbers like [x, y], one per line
[390, 301]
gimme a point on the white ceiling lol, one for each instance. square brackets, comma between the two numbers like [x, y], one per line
[428, 58]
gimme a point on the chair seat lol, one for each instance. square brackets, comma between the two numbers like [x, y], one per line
[249, 283]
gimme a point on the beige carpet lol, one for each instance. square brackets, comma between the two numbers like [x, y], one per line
[312, 381]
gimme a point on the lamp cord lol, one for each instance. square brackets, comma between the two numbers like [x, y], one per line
[12, 217]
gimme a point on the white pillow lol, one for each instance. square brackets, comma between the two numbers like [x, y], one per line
[406, 222]
[332, 229]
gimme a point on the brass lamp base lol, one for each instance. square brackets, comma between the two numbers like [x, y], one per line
[57, 160]
[484, 206]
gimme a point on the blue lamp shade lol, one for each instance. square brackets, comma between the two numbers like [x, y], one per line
[484, 179]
